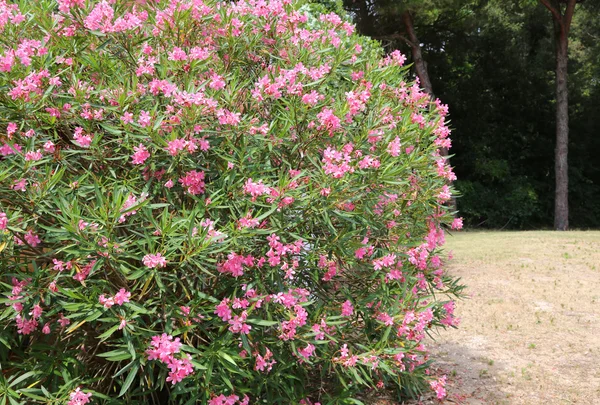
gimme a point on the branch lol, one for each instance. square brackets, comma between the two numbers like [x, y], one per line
[568, 17]
[555, 12]
[396, 36]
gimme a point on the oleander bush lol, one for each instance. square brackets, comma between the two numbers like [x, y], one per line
[214, 202]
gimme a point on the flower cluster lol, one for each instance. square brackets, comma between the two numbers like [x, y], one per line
[163, 348]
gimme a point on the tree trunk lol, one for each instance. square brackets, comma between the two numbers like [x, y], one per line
[417, 56]
[561, 199]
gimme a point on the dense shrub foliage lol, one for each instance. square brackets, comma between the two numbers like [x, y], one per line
[222, 203]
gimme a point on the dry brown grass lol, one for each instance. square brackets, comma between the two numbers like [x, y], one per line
[530, 331]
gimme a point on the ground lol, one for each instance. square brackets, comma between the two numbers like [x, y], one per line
[530, 330]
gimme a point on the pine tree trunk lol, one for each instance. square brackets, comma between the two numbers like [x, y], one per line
[561, 199]
[417, 56]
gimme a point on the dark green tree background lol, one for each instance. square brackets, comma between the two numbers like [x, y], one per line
[493, 63]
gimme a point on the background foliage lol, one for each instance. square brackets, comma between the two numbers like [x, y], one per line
[492, 62]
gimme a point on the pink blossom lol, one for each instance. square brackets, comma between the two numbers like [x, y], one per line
[33, 156]
[36, 312]
[46, 329]
[19, 185]
[154, 260]
[264, 363]
[385, 318]
[127, 118]
[306, 352]
[255, 189]
[122, 296]
[312, 98]
[347, 308]
[106, 302]
[25, 326]
[438, 387]
[176, 145]
[445, 194]
[32, 239]
[144, 119]
[140, 155]
[63, 321]
[100, 18]
[78, 397]
[234, 264]
[194, 181]
[328, 120]
[216, 82]
[49, 147]
[177, 54]
[84, 140]
[3, 221]
[394, 147]
[11, 128]
[457, 223]
[223, 311]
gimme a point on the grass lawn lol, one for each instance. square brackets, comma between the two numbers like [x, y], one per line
[530, 331]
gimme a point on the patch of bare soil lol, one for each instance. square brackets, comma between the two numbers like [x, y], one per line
[530, 331]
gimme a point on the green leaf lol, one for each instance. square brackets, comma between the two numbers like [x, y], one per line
[129, 380]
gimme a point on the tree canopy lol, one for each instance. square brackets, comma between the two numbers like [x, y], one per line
[493, 63]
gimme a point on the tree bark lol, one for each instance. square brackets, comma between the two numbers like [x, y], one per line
[562, 24]
[417, 56]
[561, 168]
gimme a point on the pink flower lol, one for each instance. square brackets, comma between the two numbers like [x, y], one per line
[33, 156]
[438, 387]
[144, 119]
[457, 223]
[163, 349]
[11, 128]
[194, 181]
[106, 302]
[3, 221]
[394, 147]
[223, 311]
[151, 261]
[140, 155]
[63, 321]
[20, 185]
[169, 184]
[46, 329]
[177, 54]
[308, 351]
[216, 82]
[122, 296]
[127, 118]
[328, 120]
[312, 98]
[82, 139]
[36, 312]
[78, 397]
[255, 189]
[385, 318]
[445, 194]
[347, 308]
[49, 147]
[32, 239]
